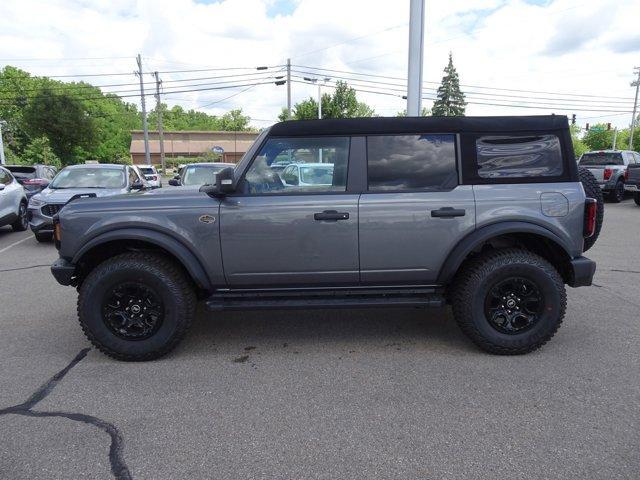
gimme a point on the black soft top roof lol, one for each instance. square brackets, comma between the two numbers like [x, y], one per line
[382, 125]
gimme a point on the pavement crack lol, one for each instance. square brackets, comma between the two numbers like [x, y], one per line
[119, 468]
[23, 268]
[623, 271]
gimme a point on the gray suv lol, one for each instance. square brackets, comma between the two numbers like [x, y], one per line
[487, 214]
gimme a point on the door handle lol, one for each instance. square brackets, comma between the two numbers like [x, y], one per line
[331, 215]
[448, 212]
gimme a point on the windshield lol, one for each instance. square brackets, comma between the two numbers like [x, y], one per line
[89, 178]
[147, 170]
[200, 174]
[317, 175]
[601, 158]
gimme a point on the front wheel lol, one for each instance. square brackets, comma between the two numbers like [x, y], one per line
[21, 223]
[136, 306]
[617, 194]
[509, 301]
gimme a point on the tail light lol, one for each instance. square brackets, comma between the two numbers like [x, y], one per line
[607, 173]
[154, 178]
[626, 174]
[590, 213]
[35, 181]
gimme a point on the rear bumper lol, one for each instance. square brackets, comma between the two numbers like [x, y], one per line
[631, 187]
[63, 271]
[582, 271]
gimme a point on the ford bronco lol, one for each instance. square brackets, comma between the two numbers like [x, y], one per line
[487, 214]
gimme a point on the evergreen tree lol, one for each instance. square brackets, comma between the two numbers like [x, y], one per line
[450, 100]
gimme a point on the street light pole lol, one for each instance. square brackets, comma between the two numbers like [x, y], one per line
[635, 106]
[416, 53]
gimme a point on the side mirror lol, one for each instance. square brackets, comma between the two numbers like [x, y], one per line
[137, 186]
[223, 186]
[174, 182]
[2, 186]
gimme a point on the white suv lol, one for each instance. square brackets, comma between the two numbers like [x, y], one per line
[151, 175]
[13, 202]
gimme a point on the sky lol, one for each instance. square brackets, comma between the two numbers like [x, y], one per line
[559, 56]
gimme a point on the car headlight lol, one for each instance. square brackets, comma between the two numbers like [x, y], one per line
[34, 202]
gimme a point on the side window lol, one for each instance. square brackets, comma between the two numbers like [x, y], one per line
[133, 176]
[519, 156]
[411, 162]
[5, 178]
[50, 173]
[321, 166]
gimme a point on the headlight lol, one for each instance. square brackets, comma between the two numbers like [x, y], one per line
[34, 202]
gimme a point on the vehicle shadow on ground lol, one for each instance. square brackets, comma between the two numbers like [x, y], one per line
[313, 329]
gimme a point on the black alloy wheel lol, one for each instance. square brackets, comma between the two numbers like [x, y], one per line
[513, 305]
[132, 311]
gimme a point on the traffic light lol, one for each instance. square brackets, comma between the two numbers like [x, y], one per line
[608, 126]
[573, 119]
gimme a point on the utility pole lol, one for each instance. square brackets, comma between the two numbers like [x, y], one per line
[635, 105]
[288, 89]
[145, 127]
[2, 160]
[416, 53]
[160, 129]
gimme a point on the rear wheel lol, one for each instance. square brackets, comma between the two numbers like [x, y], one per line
[636, 198]
[617, 194]
[509, 301]
[592, 190]
[136, 306]
[21, 223]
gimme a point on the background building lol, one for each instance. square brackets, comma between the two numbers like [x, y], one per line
[191, 144]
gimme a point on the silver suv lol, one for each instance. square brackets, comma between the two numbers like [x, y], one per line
[13, 202]
[487, 214]
[609, 167]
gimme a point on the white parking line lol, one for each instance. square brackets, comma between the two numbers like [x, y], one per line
[16, 243]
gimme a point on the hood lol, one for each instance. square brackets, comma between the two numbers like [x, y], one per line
[62, 195]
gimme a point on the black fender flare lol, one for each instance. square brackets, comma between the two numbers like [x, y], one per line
[481, 235]
[184, 255]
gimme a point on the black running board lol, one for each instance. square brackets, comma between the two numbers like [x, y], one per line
[279, 300]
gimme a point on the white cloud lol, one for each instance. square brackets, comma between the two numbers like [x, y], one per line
[574, 46]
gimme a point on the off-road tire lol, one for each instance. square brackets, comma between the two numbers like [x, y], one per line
[161, 275]
[43, 237]
[617, 194]
[472, 285]
[636, 198]
[592, 190]
[21, 223]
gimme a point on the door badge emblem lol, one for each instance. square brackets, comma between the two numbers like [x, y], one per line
[207, 219]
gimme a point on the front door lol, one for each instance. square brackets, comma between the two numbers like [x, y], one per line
[414, 212]
[305, 233]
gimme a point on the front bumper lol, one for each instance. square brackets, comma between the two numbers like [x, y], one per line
[38, 222]
[582, 271]
[63, 271]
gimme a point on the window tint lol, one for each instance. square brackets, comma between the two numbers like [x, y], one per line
[518, 157]
[601, 158]
[5, 178]
[321, 166]
[411, 162]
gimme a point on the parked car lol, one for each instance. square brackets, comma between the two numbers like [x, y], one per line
[151, 175]
[34, 178]
[485, 213]
[307, 174]
[610, 169]
[13, 202]
[198, 174]
[100, 180]
[632, 183]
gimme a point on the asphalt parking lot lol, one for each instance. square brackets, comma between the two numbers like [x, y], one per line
[379, 393]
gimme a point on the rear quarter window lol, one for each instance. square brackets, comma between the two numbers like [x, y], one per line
[530, 156]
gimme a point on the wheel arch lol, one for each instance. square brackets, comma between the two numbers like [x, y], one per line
[528, 235]
[118, 241]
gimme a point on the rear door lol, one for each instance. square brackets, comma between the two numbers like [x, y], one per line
[414, 211]
[10, 195]
[279, 234]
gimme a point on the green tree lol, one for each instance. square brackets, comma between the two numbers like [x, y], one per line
[62, 118]
[579, 147]
[234, 120]
[342, 103]
[450, 101]
[424, 113]
[39, 151]
[599, 138]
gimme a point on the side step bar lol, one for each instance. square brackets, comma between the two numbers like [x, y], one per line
[295, 299]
